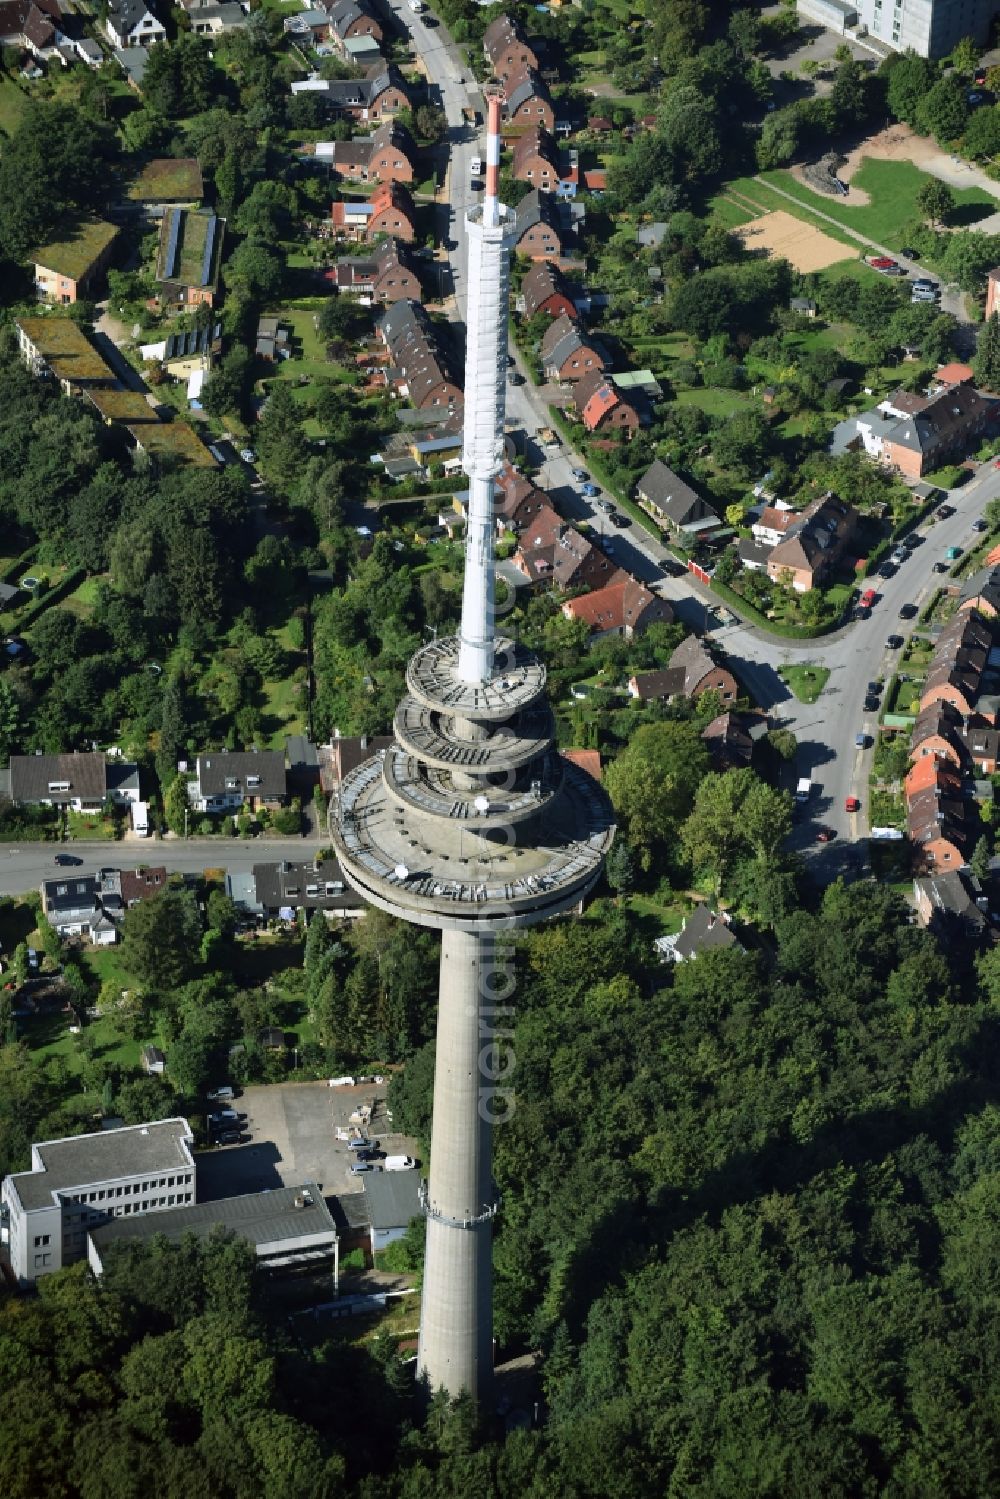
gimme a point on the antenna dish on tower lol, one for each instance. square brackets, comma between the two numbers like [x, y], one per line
[482, 804]
[401, 872]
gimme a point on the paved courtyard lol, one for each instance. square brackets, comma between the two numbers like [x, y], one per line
[292, 1128]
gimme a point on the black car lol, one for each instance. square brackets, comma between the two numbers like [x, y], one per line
[872, 704]
[67, 859]
[980, 525]
[895, 642]
[940, 567]
[907, 611]
[874, 689]
[515, 378]
[887, 569]
[672, 569]
[945, 510]
[230, 1137]
[909, 253]
[621, 519]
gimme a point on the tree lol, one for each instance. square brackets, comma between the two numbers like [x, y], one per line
[936, 201]
[735, 810]
[55, 166]
[254, 271]
[161, 939]
[965, 56]
[652, 783]
[980, 861]
[173, 732]
[910, 77]
[742, 443]
[225, 390]
[620, 868]
[848, 102]
[982, 134]
[10, 718]
[986, 362]
[180, 78]
[779, 139]
[430, 123]
[943, 111]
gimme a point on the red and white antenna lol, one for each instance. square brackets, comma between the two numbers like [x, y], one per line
[491, 203]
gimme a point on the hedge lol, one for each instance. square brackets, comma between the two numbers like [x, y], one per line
[72, 580]
[18, 567]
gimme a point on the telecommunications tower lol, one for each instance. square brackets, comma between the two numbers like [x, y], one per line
[471, 823]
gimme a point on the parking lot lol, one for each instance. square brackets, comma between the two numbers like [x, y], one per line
[292, 1129]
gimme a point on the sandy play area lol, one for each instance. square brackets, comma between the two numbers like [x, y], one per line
[804, 247]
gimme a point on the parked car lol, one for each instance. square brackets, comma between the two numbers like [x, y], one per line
[225, 1118]
[861, 741]
[851, 804]
[953, 554]
[940, 567]
[248, 455]
[888, 569]
[874, 689]
[230, 1137]
[358, 1168]
[362, 1145]
[219, 1095]
[910, 253]
[621, 519]
[516, 378]
[872, 704]
[881, 262]
[868, 598]
[945, 510]
[32, 958]
[907, 611]
[580, 473]
[825, 835]
[895, 642]
[606, 505]
[980, 525]
[590, 490]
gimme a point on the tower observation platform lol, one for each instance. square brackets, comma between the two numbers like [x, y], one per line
[471, 823]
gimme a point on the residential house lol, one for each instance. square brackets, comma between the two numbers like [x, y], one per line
[518, 500]
[344, 754]
[85, 1180]
[545, 289]
[390, 274]
[536, 160]
[774, 523]
[952, 906]
[959, 661]
[951, 422]
[927, 773]
[623, 607]
[538, 234]
[137, 885]
[182, 354]
[188, 257]
[602, 407]
[567, 354]
[424, 370]
[81, 781]
[209, 18]
[804, 306]
[702, 673]
[553, 552]
[507, 49]
[814, 545]
[393, 212]
[72, 266]
[940, 833]
[730, 738]
[353, 18]
[73, 908]
[58, 347]
[226, 781]
[283, 888]
[937, 732]
[170, 443]
[674, 504]
[381, 94]
[153, 1061]
[982, 592]
[388, 155]
[130, 23]
[124, 406]
[526, 101]
[35, 25]
[704, 930]
[313, 24]
[980, 742]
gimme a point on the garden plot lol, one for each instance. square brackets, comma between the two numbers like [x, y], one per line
[804, 247]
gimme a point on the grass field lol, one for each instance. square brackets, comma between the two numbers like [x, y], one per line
[748, 194]
[12, 105]
[893, 187]
[712, 400]
[807, 682]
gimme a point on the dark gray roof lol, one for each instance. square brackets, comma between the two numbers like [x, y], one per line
[527, 86]
[263, 1219]
[985, 585]
[949, 894]
[77, 893]
[682, 506]
[703, 930]
[305, 884]
[218, 769]
[82, 1160]
[392, 1198]
[667, 682]
[8, 591]
[125, 15]
[32, 775]
[536, 208]
[946, 415]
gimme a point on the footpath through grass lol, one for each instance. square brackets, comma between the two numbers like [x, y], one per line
[893, 187]
[806, 681]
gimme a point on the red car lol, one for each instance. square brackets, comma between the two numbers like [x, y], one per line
[825, 835]
[881, 263]
[851, 804]
[868, 598]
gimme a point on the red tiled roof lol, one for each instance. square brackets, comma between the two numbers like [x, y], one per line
[586, 760]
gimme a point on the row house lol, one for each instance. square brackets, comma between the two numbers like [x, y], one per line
[536, 160]
[552, 552]
[602, 407]
[424, 371]
[189, 257]
[959, 661]
[982, 592]
[538, 229]
[526, 102]
[388, 275]
[949, 423]
[389, 210]
[952, 906]
[568, 354]
[507, 49]
[517, 501]
[624, 607]
[814, 544]
[545, 289]
[941, 833]
[352, 18]
[387, 155]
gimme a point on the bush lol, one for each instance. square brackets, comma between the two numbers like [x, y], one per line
[288, 819]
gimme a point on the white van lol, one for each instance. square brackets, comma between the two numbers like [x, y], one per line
[398, 1163]
[416, 6]
[476, 167]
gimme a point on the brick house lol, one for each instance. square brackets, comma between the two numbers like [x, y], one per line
[958, 663]
[939, 832]
[378, 96]
[952, 906]
[567, 354]
[389, 274]
[814, 544]
[545, 289]
[424, 370]
[389, 210]
[949, 425]
[536, 160]
[730, 738]
[928, 773]
[387, 155]
[527, 102]
[350, 18]
[517, 501]
[981, 743]
[623, 607]
[691, 671]
[982, 592]
[538, 235]
[552, 552]
[188, 257]
[937, 733]
[674, 504]
[507, 49]
[602, 407]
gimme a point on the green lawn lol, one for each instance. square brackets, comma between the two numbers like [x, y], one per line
[13, 103]
[893, 187]
[747, 190]
[805, 681]
[82, 600]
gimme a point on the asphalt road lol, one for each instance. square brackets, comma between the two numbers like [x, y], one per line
[24, 867]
